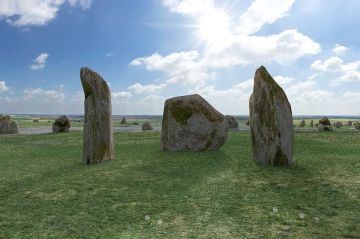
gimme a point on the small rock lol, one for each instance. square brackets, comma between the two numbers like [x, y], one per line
[317, 219]
[275, 209]
[147, 217]
[159, 222]
[302, 215]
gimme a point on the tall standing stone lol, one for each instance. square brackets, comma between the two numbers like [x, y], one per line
[190, 123]
[98, 135]
[271, 122]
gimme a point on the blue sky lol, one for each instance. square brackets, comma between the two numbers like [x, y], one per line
[152, 50]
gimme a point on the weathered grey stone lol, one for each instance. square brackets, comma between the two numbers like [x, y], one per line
[312, 123]
[349, 123]
[8, 126]
[233, 123]
[190, 123]
[98, 135]
[325, 125]
[271, 122]
[61, 124]
[302, 123]
[147, 126]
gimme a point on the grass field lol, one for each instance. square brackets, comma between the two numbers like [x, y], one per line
[46, 192]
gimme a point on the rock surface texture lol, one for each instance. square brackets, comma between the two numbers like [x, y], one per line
[98, 135]
[233, 124]
[8, 126]
[190, 123]
[271, 122]
[61, 124]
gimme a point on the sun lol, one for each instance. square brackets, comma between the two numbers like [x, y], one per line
[213, 28]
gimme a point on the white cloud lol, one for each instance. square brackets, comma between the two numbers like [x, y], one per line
[3, 86]
[120, 95]
[262, 12]
[34, 12]
[284, 48]
[57, 95]
[184, 67]
[189, 7]
[108, 55]
[138, 88]
[339, 49]
[39, 62]
[341, 71]
[283, 80]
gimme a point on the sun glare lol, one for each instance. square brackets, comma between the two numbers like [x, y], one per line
[213, 28]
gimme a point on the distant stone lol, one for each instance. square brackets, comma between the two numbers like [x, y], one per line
[349, 123]
[147, 126]
[233, 123]
[325, 125]
[312, 123]
[302, 123]
[190, 123]
[61, 124]
[123, 121]
[8, 126]
[357, 125]
[98, 135]
[271, 122]
[36, 121]
[338, 125]
[247, 123]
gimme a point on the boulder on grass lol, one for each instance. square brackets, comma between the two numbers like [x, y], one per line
[349, 123]
[325, 125]
[271, 122]
[61, 125]
[233, 123]
[8, 126]
[147, 126]
[357, 125]
[312, 123]
[98, 134]
[190, 123]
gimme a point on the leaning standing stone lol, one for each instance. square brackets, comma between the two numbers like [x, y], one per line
[98, 135]
[190, 123]
[271, 122]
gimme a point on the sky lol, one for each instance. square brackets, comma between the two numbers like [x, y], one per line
[152, 50]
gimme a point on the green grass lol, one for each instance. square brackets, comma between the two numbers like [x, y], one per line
[46, 192]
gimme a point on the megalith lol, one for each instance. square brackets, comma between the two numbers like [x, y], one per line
[98, 135]
[271, 122]
[190, 123]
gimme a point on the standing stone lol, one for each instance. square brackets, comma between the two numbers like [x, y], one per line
[338, 125]
[98, 134]
[312, 123]
[349, 123]
[302, 123]
[325, 125]
[61, 124]
[233, 123]
[8, 126]
[271, 122]
[357, 125]
[190, 123]
[123, 120]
